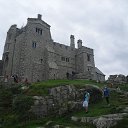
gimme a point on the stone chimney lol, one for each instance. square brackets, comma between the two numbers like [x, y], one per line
[39, 17]
[79, 43]
[72, 42]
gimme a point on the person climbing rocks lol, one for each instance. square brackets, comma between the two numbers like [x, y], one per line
[106, 93]
[86, 101]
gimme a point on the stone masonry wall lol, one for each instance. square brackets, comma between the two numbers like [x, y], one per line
[63, 99]
[117, 79]
[31, 53]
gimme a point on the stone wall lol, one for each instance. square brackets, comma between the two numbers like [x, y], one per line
[117, 79]
[64, 99]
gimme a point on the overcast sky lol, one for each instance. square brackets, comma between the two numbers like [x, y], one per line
[101, 24]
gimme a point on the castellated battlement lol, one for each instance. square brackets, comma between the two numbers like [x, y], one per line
[33, 55]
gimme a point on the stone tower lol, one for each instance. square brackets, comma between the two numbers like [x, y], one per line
[9, 48]
[25, 52]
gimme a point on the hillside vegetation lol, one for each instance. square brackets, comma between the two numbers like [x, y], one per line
[41, 88]
[16, 101]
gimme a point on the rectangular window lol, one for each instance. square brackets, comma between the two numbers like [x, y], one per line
[67, 59]
[39, 31]
[88, 57]
[33, 44]
[63, 58]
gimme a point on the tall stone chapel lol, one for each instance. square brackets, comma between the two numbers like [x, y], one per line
[31, 53]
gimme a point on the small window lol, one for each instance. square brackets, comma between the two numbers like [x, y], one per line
[33, 44]
[39, 31]
[90, 69]
[41, 60]
[67, 59]
[88, 57]
[63, 58]
[36, 30]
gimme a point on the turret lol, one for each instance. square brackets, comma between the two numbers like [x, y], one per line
[72, 42]
[79, 43]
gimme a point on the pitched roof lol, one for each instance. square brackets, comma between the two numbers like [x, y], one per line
[98, 71]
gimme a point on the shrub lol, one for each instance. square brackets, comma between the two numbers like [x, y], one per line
[6, 98]
[22, 105]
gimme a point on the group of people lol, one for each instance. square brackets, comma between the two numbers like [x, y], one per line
[106, 94]
[16, 79]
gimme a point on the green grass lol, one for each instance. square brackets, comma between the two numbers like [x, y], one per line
[54, 83]
[95, 110]
[41, 88]
[102, 108]
[124, 87]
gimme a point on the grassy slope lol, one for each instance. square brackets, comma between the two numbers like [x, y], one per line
[94, 109]
[41, 88]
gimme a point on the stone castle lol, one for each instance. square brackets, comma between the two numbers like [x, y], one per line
[31, 53]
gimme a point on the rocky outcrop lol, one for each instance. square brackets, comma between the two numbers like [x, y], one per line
[104, 121]
[63, 99]
[107, 121]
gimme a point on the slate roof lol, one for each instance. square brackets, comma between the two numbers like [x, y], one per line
[98, 71]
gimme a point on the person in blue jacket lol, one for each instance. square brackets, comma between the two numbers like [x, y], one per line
[86, 101]
[106, 93]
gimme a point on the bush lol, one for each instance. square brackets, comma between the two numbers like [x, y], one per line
[6, 98]
[22, 105]
[9, 120]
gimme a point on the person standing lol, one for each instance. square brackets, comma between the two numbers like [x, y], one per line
[86, 101]
[106, 94]
[6, 79]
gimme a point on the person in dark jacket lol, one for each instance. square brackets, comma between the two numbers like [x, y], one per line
[106, 93]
